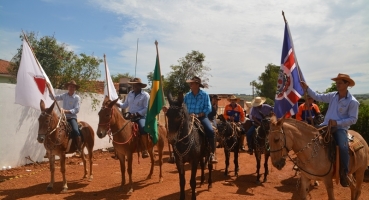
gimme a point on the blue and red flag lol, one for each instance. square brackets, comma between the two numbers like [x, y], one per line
[289, 90]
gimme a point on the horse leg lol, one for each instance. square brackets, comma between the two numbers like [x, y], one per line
[328, 182]
[227, 155]
[90, 156]
[305, 186]
[193, 178]
[210, 180]
[83, 156]
[52, 171]
[266, 169]
[129, 170]
[62, 170]
[358, 180]
[202, 166]
[122, 161]
[235, 161]
[182, 180]
[151, 153]
[258, 160]
[160, 151]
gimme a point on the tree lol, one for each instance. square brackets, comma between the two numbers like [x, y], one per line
[60, 64]
[267, 86]
[116, 78]
[189, 66]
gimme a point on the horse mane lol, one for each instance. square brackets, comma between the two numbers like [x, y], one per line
[300, 125]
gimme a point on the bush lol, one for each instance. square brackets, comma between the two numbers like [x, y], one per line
[362, 124]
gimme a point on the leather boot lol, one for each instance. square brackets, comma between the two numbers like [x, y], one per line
[343, 178]
[212, 157]
[79, 146]
[144, 140]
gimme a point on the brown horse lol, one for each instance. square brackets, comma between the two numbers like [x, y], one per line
[125, 139]
[53, 133]
[313, 156]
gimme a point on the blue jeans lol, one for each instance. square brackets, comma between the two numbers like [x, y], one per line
[207, 127]
[73, 123]
[341, 140]
[141, 125]
[249, 136]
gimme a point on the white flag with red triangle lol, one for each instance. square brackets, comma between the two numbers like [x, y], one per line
[31, 81]
[109, 85]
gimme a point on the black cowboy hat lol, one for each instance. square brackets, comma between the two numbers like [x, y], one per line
[195, 79]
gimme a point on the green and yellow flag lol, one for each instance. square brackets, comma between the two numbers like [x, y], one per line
[155, 104]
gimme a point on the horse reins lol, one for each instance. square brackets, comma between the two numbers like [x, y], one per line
[301, 150]
[48, 132]
[110, 134]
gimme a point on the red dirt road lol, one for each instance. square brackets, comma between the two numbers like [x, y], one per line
[32, 181]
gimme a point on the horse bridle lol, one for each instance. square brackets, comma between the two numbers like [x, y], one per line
[294, 162]
[108, 123]
[48, 132]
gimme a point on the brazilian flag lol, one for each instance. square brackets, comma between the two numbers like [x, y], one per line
[155, 104]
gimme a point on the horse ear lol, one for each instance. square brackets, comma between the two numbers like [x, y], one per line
[42, 105]
[180, 97]
[281, 120]
[170, 98]
[112, 103]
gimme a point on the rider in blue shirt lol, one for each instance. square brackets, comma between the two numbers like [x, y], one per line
[342, 112]
[198, 104]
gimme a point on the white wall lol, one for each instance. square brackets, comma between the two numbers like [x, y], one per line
[19, 128]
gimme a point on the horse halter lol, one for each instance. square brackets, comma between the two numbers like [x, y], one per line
[284, 143]
[48, 132]
[107, 123]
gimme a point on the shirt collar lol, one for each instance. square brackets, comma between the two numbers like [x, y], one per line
[347, 94]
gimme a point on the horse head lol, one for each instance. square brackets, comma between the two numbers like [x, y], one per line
[46, 121]
[106, 118]
[176, 115]
[277, 142]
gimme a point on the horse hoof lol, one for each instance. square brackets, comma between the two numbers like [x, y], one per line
[148, 177]
[258, 182]
[160, 180]
[130, 192]
[90, 179]
[49, 188]
[64, 190]
[236, 174]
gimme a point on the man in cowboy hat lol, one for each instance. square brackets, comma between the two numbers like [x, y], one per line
[233, 111]
[308, 110]
[259, 111]
[198, 105]
[71, 103]
[214, 109]
[342, 112]
[137, 102]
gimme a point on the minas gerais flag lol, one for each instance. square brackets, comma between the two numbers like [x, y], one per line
[155, 104]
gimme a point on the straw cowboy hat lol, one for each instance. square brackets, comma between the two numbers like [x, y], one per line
[248, 104]
[258, 101]
[232, 97]
[137, 81]
[214, 96]
[72, 82]
[344, 77]
[195, 79]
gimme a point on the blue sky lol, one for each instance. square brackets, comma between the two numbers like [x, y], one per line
[238, 38]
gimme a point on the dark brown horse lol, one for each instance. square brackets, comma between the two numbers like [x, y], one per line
[189, 144]
[230, 140]
[260, 146]
[53, 133]
[124, 135]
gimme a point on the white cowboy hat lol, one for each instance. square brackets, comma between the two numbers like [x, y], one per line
[195, 79]
[258, 101]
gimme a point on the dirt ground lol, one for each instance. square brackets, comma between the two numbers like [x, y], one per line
[29, 182]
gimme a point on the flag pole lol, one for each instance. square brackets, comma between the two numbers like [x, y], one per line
[106, 77]
[297, 62]
[166, 122]
[38, 64]
[136, 57]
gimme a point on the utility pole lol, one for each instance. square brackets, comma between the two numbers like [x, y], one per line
[252, 84]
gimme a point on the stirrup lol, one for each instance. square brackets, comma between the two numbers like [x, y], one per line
[213, 159]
